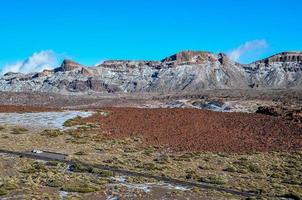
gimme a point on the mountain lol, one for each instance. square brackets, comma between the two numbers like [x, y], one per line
[184, 71]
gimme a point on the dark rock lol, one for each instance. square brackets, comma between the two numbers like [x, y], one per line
[267, 111]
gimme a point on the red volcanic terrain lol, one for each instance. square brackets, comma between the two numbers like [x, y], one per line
[23, 109]
[200, 130]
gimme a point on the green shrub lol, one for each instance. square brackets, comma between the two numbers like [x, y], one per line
[3, 192]
[230, 169]
[81, 188]
[52, 133]
[103, 173]
[151, 166]
[35, 167]
[9, 184]
[215, 179]
[254, 168]
[148, 151]
[77, 167]
[80, 153]
[164, 159]
[245, 165]
[73, 122]
[190, 174]
[18, 131]
[54, 183]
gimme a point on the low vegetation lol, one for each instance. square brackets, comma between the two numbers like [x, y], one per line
[3, 191]
[271, 175]
[18, 131]
[52, 132]
[77, 167]
[214, 179]
[8, 184]
[73, 122]
[79, 187]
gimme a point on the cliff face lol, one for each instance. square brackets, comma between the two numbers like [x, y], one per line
[284, 57]
[283, 70]
[184, 71]
[68, 65]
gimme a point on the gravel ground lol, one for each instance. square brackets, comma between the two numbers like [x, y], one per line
[201, 130]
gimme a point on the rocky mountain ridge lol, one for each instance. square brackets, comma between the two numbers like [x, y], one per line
[184, 71]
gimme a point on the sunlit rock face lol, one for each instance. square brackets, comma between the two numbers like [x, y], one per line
[182, 72]
[283, 70]
[69, 65]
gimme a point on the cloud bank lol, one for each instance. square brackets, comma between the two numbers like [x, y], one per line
[250, 50]
[46, 59]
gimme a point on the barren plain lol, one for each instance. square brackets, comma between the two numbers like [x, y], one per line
[215, 145]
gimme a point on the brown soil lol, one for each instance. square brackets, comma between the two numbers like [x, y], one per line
[23, 109]
[200, 130]
[287, 97]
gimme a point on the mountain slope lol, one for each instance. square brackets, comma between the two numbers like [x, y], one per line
[184, 71]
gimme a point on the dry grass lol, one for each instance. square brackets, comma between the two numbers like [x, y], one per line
[18, 131]
[271, 174]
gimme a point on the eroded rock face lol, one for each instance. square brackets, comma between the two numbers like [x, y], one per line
[283, 57]
[283, 70]
[44, 73]
[190, 57]
[68, 65]
[181, 72]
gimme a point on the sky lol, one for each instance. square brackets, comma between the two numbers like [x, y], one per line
[36, 34]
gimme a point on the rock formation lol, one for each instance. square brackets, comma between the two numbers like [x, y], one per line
[184, 71]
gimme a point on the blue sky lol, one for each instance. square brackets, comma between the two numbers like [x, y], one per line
[93, 30]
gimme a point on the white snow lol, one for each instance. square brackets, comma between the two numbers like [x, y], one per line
[147, 187]
[53, 120]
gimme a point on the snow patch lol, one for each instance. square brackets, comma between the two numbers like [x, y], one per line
[53, 120]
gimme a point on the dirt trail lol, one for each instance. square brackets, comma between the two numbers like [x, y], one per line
[200, 130]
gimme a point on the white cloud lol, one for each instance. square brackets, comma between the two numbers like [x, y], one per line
[99, 63]
[37, 62]
[250, 48]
